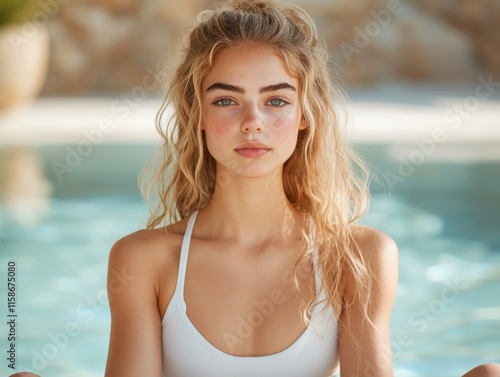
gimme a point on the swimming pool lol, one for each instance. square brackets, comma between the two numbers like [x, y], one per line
[444, 217]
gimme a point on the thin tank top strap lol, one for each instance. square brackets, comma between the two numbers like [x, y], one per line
[186, 241]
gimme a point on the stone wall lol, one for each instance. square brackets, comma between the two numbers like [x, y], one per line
[109, 46]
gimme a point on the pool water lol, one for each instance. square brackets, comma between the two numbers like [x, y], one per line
[444, 217]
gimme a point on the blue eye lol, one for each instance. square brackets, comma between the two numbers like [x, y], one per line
[224, 102]
[277, 102]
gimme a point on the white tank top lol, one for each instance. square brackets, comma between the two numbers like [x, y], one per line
[186, 353]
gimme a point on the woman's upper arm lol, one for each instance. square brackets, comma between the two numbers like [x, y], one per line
[364, 347]
[135, 341]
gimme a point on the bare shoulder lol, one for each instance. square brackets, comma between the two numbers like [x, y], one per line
[146, 254]
[380, 253]
[138, 248]
[145, 245]
[375, 245]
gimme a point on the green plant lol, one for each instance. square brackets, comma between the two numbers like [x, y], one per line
[17, 11]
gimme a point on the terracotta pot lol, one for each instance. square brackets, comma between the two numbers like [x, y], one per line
[24, 60]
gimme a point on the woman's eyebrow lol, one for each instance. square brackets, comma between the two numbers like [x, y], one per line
[272, 88]
[237, 89]
[220, 85]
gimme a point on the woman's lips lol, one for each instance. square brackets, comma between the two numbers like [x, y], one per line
[252, 149]
[252, 152]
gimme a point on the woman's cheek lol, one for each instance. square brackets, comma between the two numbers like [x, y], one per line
[222, 130]
[218, 134]
[285, 123]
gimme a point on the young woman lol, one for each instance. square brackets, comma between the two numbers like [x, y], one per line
[261, 270]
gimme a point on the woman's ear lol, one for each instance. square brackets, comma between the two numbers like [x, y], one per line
[303, 124]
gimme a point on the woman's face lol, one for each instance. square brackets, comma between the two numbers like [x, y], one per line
[251, 112]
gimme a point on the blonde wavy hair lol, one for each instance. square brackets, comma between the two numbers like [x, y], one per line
[324, 179]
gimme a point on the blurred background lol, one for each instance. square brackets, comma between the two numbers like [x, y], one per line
[79, 91]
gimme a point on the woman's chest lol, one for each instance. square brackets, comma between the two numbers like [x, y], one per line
[246, 306]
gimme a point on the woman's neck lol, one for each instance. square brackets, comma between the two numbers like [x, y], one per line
[251, 211]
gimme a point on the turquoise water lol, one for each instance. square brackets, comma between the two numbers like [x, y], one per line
[444, 217]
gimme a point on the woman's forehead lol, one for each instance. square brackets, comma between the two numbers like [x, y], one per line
[248, 64]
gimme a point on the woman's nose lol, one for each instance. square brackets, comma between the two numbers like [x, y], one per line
[252, 121]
